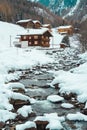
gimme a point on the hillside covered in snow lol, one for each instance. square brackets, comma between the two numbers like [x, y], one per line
[62, 83]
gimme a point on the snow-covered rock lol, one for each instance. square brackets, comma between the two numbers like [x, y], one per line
[67, 105]
[53, 119]
[26, 125]
[25, 111]
[6, 115]
[77, 117]
[55, 98]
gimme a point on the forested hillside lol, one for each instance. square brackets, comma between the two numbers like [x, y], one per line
[13, 10]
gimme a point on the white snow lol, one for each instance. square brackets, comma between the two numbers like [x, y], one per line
[84, 18]
[64, 27]
[28, 124]
[55, 98]
[15, 85]
[75, 82]
[12, 58]
[53, 119]
[78, 116]
[34, 31]
[56, 39]
[6, 115]
[25, 110]
[86, 105]
[73, 9]
[22, 21]
[67, 105]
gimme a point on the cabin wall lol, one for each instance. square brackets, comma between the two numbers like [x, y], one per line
[36, 40]
[29, 24]
[66, 30]
[37, 25]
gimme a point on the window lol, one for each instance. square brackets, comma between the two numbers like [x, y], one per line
[35, 37]
[24, 37]
[35, 42]
[29, 37]
[29, 43]
[46, 37]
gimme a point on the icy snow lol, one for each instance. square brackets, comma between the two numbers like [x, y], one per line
[72, 82]
[15, 85]
[28, 124]
[53, 119]
[67, 105]
[86, 105]
[6, 115]
[25, 110]
[78, 116]
[56, 39]
[12, 58]
[55, 98]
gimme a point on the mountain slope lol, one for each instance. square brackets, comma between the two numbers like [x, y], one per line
[80, 11]
[74, 10]
[58, 6]
[22, 9]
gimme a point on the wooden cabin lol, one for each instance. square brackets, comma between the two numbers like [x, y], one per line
[37, 24]
[36, 37]
[65, 30]
[28, 23]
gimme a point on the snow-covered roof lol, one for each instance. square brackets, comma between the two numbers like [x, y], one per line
[36, 21]
[23, 21]
[35, 31]
[67, 26]
[45, 25]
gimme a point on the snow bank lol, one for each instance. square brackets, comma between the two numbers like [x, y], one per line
[56, 39]
[53, 119]
[15, 85]
[8, 31]
[72, 82]
[6, 115]
[67, 105]
[55, 98]
[78, 116]
[4, 102]
[12, 59]
[24, 111]
[28, 124]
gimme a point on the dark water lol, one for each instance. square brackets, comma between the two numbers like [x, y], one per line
[38, 88]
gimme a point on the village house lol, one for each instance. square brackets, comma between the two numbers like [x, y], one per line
[35, 37]
[37, 24]
[28, 23]
[65, 30]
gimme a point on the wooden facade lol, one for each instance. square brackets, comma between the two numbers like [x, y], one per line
[29, 23]
[37, 24]
[26, 23]
[37, 39]
[65, 30]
